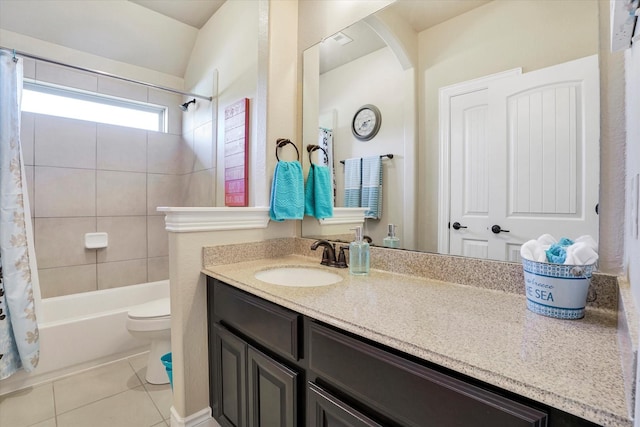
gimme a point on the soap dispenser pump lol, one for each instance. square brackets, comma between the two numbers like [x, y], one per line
[391, 241]
[359, 255]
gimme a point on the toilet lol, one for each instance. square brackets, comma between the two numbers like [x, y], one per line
[151, 321]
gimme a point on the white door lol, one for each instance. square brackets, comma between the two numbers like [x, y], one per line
[469, 174]
[539, 147]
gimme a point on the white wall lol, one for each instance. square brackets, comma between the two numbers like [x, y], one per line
[227, 46]
[492, 38]
[632, 243]
[375, 79]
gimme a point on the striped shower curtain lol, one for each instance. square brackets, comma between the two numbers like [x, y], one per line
[19, 336]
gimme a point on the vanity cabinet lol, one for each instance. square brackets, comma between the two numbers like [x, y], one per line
[273, 367]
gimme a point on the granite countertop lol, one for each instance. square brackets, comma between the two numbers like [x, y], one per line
[572, 365]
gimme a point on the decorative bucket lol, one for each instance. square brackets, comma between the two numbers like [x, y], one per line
[557, 290]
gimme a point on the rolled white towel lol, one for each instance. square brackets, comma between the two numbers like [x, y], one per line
[547, 240]
[533, 251]
[589, 241]
[580, 253]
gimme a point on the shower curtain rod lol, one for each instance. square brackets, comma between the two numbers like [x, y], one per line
[102, 73]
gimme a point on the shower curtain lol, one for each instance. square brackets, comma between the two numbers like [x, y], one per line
[19, 336]
[325, 141]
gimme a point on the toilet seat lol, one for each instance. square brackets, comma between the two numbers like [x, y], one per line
[151, 316]
[151, 310]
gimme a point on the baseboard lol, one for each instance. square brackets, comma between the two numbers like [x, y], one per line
[201, 418]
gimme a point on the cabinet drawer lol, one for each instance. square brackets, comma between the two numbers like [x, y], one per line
[410, 393]
[273, 326]
[325, 410]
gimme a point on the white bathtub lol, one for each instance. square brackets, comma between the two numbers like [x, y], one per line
[84, 330]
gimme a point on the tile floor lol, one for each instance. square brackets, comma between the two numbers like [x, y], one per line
[113, 395]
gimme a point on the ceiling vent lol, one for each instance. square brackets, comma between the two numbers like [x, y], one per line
[341, 39]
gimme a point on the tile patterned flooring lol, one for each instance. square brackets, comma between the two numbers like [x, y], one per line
[113, 395]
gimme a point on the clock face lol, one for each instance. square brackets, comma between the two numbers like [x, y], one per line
[366, 122]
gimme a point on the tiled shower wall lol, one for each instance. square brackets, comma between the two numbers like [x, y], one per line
[88, 177]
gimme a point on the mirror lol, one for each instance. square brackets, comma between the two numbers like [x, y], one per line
[406, 60]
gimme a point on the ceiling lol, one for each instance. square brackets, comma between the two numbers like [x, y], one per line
[160, 34]
[195, 13]
[419, 14]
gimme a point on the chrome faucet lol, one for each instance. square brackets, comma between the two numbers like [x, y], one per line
[329, 254]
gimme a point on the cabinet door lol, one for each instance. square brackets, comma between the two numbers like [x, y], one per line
[325, 410]
[230, 361]
[272, 392]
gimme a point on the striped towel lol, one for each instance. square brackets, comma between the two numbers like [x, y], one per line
[352, 182]
[372, 186]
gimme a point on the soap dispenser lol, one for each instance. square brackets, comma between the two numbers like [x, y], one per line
[391, 241]
[359, 255]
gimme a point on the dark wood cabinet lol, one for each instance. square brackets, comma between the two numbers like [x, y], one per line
[273, 367]
[229, 374]
[326, 410]
[272, 392]
[251, 388]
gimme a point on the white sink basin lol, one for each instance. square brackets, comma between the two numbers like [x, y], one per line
[300, 277]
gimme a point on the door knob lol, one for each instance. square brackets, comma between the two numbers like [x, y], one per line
[496, 229]
[456, 226]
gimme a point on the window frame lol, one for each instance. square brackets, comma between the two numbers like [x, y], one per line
[72, 93]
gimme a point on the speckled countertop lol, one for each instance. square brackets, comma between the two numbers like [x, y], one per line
[486, 334]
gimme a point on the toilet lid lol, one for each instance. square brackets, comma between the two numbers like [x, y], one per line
[157, 308]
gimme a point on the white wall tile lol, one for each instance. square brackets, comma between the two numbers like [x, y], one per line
[59, 242]
[163, 190]
[168, 154]
[122, 273]
[172, 101]
[64, 76]
[203, 147]
[158, 237]
[64, 192]
[65, 142]
[121, 148]
[60, 281]
[158, 269]
[30, 171]
[29, 68]
[27, 135]
[199, 188]
[127, 238]
[121, 193]
[122, 89]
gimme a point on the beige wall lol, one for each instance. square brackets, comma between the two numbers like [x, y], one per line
[495, 37]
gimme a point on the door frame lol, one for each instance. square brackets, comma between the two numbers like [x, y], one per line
[444, 130]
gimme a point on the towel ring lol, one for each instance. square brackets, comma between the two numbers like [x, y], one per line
[311, 148]
[281, 142]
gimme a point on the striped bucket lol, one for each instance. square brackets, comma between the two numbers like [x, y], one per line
[557, 290]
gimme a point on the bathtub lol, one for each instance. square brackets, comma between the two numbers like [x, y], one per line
[85, 330]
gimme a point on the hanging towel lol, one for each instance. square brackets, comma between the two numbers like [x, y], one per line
[352, 183]
[318, 193]
[287, 192]
[372, 186]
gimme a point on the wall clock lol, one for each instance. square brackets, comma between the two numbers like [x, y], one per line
[366, 122]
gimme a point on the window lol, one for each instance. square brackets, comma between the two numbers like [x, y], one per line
[54, 101]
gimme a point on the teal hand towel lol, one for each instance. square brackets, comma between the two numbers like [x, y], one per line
[318, 198]
[287, 192]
